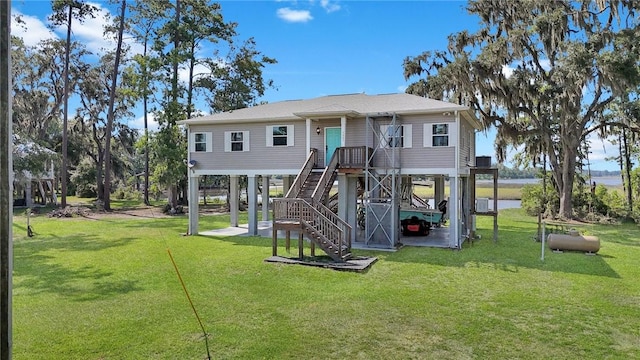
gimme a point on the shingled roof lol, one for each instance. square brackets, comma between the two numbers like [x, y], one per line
[350, 105]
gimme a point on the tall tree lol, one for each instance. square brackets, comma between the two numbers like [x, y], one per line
[144, 19]
[542, 68]
[236, 82]
[38, 84]
[64, 11]
[110, 114]
[90, 129]
[191, 26]
[625, 133]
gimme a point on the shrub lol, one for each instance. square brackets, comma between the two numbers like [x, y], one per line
[86, 190]
[167, 209]
[533, 200]
[126, 193]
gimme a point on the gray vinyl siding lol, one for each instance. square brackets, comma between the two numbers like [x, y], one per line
[263, 157]
[467, 143]
[418, 156]
[317, 141]
[259, 156]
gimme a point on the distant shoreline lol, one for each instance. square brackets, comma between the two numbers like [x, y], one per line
[605, 180]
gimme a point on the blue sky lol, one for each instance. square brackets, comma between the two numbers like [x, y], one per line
[325, 47]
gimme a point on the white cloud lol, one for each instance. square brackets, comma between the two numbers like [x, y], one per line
[90, 31]
[199, 69]
[32, 31]
[600, 149]
[329, 7]
[507, 71]
[402, 88]
[138, 123]
[290, 15]
[545, 63]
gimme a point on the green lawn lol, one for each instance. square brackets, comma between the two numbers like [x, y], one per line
[106, 289]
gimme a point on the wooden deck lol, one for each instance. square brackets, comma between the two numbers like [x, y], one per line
[357, 264]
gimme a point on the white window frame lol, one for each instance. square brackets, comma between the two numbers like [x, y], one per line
[406, 137]
[429, 135]
[208, 142]
[228, 143]
[271, 136]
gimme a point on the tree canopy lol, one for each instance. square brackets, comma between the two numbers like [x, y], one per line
[542, 72]
[179, 58]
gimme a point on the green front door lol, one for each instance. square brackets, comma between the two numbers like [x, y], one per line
[332, 142]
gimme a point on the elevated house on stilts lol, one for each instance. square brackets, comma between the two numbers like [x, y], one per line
[348, 164]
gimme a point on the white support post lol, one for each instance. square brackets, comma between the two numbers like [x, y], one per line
[343, 131]
[352, 205]
[342, 200]
[453, 210]
[265, 197]
[465, 206]
[233, 199]
[544, 235]
[438, 194]
[194, 199]
[287, 180]
[308, 136]
[252, 203]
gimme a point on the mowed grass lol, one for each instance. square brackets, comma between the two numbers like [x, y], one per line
[483, 190]
[106, 289]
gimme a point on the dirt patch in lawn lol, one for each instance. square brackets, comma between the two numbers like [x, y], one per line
[138, 212]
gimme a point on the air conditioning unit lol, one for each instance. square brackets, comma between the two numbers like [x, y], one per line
[482, 205]
[483, 161]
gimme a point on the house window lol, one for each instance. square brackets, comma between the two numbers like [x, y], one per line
[395, 136]
[280, 135]
[201, 142]
[439, 135]
[236, 141]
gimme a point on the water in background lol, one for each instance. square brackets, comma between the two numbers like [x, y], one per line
[509, 204]
[608, 181]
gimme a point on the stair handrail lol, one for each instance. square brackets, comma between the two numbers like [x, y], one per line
[326, 180]
[318, 217]
[323, 236]
[336, 220]
[310, 163]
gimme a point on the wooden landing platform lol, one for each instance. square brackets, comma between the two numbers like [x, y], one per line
[356, 264]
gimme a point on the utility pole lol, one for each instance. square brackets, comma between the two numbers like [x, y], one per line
[6, 182]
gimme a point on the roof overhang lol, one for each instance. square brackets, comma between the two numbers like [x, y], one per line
[327, 114]
[200, 121]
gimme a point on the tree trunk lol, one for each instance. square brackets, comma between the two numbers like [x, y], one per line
[65, 115]
[110, 114]
[146, 129]
[172, 196]
[627, 161]
[565, 175]
[204, 189]
[99, 175]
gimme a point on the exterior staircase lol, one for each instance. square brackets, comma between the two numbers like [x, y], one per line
[309, 185]
[303, 209]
